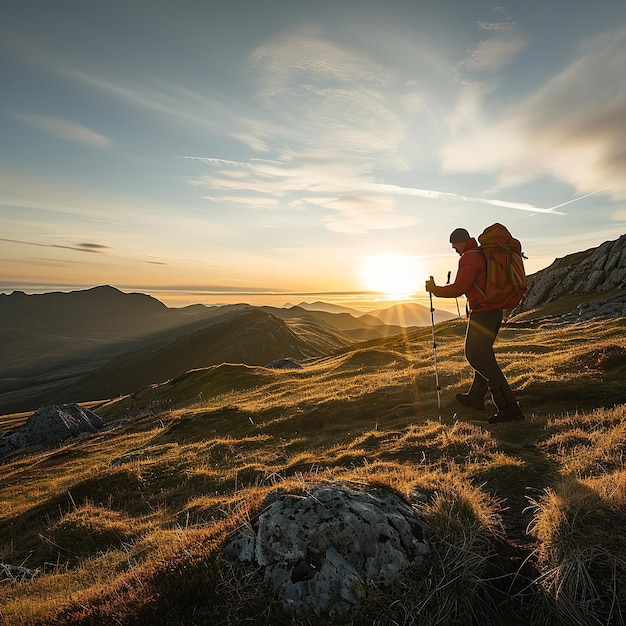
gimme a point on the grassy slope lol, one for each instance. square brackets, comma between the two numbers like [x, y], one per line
[127, 525]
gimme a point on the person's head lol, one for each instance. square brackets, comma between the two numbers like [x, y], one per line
[458, 238]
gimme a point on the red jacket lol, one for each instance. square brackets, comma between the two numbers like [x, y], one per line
[472, 271]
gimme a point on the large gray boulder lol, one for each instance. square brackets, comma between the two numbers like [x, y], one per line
[51, 425]
[321, 550]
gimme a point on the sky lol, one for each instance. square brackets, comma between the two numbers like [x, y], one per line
[219, 151]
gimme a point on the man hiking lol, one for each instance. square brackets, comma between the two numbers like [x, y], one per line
[482, 329]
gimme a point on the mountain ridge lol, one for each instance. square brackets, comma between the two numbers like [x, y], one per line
[52, 350]
[579, 286]
[250, 336]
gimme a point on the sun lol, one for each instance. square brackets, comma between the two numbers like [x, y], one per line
[395, 275]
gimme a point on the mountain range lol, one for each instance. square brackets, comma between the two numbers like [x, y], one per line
[102, 342]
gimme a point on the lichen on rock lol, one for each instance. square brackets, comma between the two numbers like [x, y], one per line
[322, 549]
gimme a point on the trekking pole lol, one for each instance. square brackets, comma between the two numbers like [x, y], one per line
[458, 311]
[432, 319]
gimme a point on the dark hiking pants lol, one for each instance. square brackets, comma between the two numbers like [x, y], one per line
[482, 331]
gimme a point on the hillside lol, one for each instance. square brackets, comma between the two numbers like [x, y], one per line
[525, 520]
[403, 315]
[250, 336]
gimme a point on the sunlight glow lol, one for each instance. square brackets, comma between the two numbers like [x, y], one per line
[396, 275]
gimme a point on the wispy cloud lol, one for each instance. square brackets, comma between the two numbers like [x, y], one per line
[328, 95]
[197, 106]
[254, 201]
[213, 161]
[491, 54]
[477, 74]
[572, 128]
[439, 195]
[495, 50]
[97, 248]
[64, 129]
[359, 204]
[287, 57]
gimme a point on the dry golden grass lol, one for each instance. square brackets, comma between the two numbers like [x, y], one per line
[127, 526]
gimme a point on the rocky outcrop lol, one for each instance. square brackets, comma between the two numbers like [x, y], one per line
[321, 550]
[51, 425]
[597, 276]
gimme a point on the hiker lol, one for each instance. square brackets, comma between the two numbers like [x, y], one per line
[482, 329]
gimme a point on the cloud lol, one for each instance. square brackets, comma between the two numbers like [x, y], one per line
[287, 57]
[352, 203]
[492, 54]
[214, 161]
[349, 201]
[97, 248]
[255, 202]
[90, 247]
[358, 214]
[573, 128]
[441, 195]
[252, 140]
[495, 51]
[64, 129]
[345, 119]
[198, 107]
[334, 118]
[322, 94]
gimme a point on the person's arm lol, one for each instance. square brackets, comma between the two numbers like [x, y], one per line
[465, 278]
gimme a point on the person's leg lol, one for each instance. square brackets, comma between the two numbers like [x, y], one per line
[479, 386]
[475, 397]
[481, 333]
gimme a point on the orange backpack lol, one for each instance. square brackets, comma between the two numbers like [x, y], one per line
[506, 279]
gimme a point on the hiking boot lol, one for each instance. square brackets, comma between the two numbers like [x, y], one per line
[471, 401]
[511, 413]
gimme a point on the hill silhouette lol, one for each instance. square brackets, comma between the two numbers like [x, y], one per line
[409, 314]
[43, 330]
[403, 315]
[361, 328]
[328, 307]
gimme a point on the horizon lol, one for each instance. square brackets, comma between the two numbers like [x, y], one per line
[303, 148]
[179, 298]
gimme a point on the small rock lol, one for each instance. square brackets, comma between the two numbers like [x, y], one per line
[15, 573]
[284, 364]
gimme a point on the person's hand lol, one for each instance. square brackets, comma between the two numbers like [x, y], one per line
[430, 285]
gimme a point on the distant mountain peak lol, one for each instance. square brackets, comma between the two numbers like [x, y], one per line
[409, 314]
